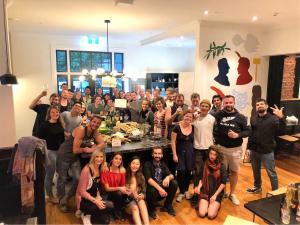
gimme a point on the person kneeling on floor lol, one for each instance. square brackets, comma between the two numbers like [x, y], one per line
[211, 184]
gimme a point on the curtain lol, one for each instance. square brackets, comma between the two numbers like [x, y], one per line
[297, 79]
[275, 75]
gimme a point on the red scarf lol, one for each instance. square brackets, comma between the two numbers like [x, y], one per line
[216, 172]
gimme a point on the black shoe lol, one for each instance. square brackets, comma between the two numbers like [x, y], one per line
[152, 214]
[194, 201]
[253, 190]
[169, 210]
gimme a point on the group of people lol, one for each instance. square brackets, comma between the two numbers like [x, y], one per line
[206, 145]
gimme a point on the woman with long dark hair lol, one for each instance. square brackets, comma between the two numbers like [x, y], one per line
[160, 125]
[212, 183]
[114, 183]
[93, 207]
[52, 130]
[135, 183]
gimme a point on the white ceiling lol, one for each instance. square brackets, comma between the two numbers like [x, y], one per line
[145, 18]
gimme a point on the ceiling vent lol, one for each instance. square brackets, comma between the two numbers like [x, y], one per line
[124, 2]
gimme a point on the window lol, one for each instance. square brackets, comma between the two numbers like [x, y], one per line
[70, 63]
[60, 80]
[118, 59]
[61, 61]
[77, 85]
[80, 60]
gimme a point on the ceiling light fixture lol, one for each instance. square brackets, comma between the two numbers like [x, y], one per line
[123, 2]
[254, 18]
[110, 78]
[206, 12]
[8, 78]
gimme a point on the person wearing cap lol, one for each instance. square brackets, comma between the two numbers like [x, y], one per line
[203, 138]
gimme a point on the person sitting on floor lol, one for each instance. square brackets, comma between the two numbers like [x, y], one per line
[113, 181]
[212, 183]
[93, 207]
[136, 185]
[161, 184]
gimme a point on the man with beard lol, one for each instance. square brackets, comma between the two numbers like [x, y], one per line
[82, 142]
[195, 100]
[174, 113]
[160, 184]
[230, 129]
[41, 109]
[261, 143]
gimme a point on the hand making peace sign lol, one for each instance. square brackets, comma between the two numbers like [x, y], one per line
[277, 112]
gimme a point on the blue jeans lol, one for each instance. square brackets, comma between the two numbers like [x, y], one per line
[50, 171]
[62, 169]
[269, 163]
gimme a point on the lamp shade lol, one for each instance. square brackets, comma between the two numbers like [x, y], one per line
[8, 79]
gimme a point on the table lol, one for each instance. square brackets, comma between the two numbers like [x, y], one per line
[143, 149]
[268, 209]
[144, 145]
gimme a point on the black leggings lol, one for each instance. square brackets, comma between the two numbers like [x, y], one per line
[98, 216]
[184, 178]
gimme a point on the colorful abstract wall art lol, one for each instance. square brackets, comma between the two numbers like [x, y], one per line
[215, 50]
[223, 67]
[240, 99]
[243, 67]
[251, 42]
[256, 94]
[218, 91]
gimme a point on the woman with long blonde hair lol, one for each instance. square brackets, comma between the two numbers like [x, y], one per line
[93, 207]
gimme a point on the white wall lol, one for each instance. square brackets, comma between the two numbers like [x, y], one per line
[281, 41]
[7, 120]
[33, 56]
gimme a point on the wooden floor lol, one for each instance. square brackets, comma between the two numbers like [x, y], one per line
[187, 215]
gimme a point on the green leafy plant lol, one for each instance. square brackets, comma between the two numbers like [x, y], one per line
[215, 50]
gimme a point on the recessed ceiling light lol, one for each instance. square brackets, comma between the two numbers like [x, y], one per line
[206, 12]
[14, 19]
[254, 18]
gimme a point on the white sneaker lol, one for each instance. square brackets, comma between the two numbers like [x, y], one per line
[86, 219]
[188, 196]
[179, 197]
[234, 199]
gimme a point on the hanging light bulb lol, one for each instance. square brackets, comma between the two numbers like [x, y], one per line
[81, 78]
[85, 72]
[100, 71]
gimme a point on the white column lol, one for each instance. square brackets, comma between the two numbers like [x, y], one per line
[7, 115]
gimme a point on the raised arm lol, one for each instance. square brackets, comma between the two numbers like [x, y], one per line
[37, 99]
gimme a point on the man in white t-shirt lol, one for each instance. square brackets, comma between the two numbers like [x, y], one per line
[203, 138]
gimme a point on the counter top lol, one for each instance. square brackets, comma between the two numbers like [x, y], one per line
[143, 145]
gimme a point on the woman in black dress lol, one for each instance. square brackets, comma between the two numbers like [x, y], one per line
[182, 139]
[212, 183]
